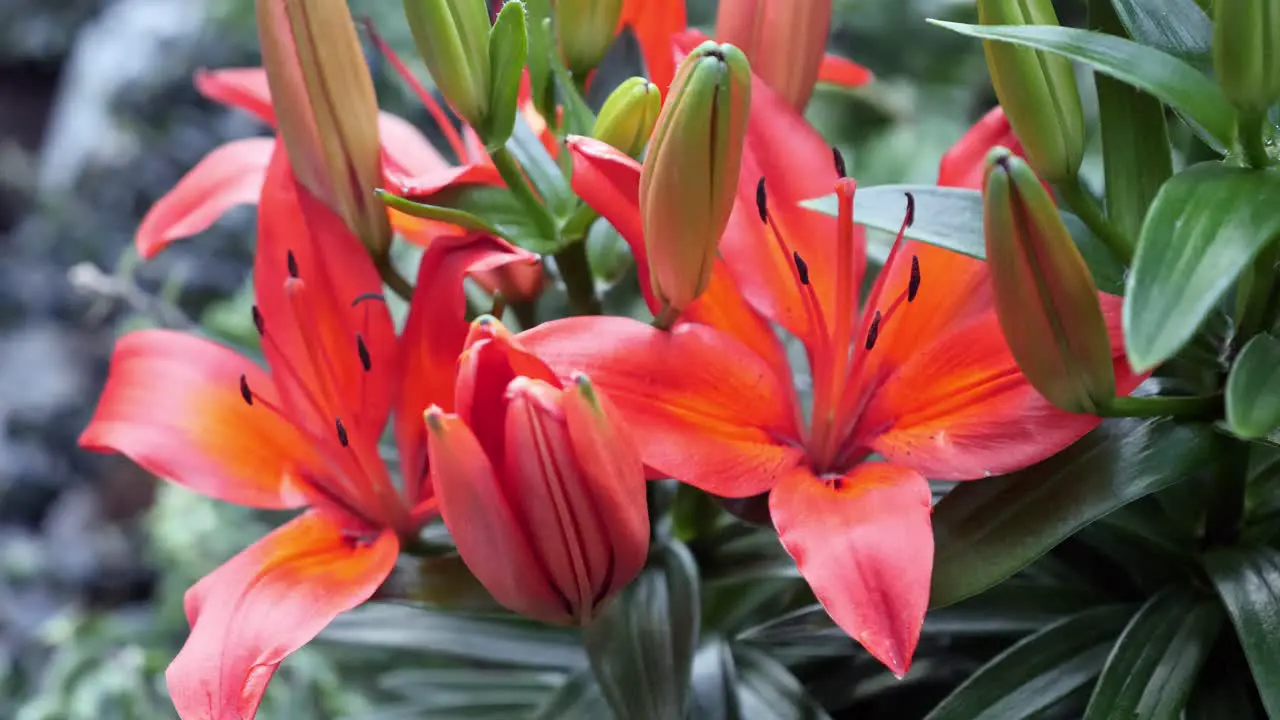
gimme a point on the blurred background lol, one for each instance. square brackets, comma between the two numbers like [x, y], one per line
[98, 118]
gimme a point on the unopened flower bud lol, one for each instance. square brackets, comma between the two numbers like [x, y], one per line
[690, 176]
[626, 121]
[1037, 90]
[1046, 300]
[540, 487]
[1246, 51]
[326, 109]
[453, 39]
[586, 29]
[785, 40]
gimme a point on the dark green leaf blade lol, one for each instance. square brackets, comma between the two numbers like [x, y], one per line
[1177, 84]
[766, 689]
[1178, 27]
[714, 684]
[1248, 581]
[1153, 666]
[642, 644]
[986, 531]
[508, 50]
[487, 208]
[1038, 671]
[1204, 227]
[1253, 389]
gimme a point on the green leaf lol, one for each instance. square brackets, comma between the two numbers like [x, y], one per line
[500, 640]
[468, 692]
[1153, 666]
[1206, 224]
[951, 218]
[1197, 98]
[508, 50]
[429, 211]
[495, 207]
[642, 644]
[766, 689]
[714, 684]
[1178, 27]
[1135, 138]
[578, 698]
[1248, 581]
[986, 531]
[1253, 389]
[1039, 671]
[542, 170]
[542, 48]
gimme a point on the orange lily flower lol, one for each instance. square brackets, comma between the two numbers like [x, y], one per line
[660, 29]
[918, 383]
[302, 433]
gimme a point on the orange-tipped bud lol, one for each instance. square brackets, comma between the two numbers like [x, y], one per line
[1046, 299]
[690, 176]
[784, 39]
[326, 109]
[628, 116]
[542, 491]
[586, 29]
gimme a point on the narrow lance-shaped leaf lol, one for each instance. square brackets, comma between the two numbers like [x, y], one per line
[1248, 581]
[988, 530]
[1178, 27]
[1153, 666]
[1206, 224]
[508, 49]
[1253, 389]
[1199, 100]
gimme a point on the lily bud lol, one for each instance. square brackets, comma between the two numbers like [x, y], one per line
[785, 41]
[1246, 51]
[627, 118]
[586, 29]
[1037, 90]
[326, 109]
[1046, 299]
[453, 39]
[542, 491]
[690, 176]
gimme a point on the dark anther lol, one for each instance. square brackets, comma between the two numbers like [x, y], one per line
[258, 321]
[873, 332]
[293, 265]
[802, 267]
[342, 432]
[913, 288]
[839, 159]
[245, 392]
[362, 297]
[715, 53]
[762, 201]
[1003, 162]
[911, 209]
[365, 361]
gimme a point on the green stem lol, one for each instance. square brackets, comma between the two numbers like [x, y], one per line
[1249, 127]
[1083, 204]
[1192, 407]
[575, 270]
[1226, 511]
[526, 313]
[576, 227]
[514, 177]
[392, 277]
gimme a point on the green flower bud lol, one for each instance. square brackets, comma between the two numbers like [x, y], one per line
[586, 29]
[1246, 51]
[1046, 299]
[626, 121]
[690, 176]
[453, 38]
[1037, 89]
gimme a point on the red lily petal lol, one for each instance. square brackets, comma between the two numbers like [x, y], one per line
[838, 71]
[961, 409]
[609, 181]
[654, 22]
[265, 603]
[865, 545]
[405, 150]
[964, 164]
[317, 323]
[433, 338]
[230, 175]
[489, 536]
[703, 408]
[243, 88]
[173, 405]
